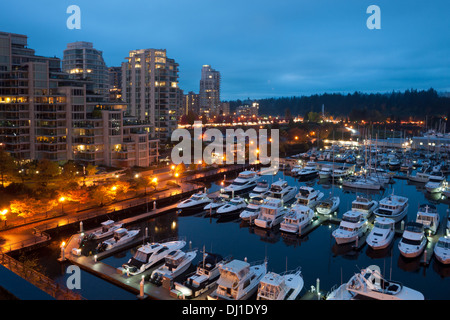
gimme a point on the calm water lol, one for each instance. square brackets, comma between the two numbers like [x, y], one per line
[317, 253]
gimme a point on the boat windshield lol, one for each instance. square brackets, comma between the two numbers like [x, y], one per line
[235, 202]
[382, 225]
[196, 198]
[411, 242]
[239, 183]
[443, 244]
[141, 256]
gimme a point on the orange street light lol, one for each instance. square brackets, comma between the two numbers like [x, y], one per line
[62, 199]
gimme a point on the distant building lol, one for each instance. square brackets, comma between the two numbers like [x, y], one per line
[82, 61]
[224, 109]
[150, 88]
[209, 91]
[248, 109]
[191, 103]
[115, 83]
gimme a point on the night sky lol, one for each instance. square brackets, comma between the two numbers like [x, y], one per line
[262, 48]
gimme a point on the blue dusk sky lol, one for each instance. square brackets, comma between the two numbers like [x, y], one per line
[262, 48]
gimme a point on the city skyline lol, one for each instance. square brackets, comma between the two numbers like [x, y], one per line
[264, 50]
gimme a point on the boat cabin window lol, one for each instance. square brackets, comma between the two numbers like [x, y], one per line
[162, 250]
[239, 183]
[351, 218]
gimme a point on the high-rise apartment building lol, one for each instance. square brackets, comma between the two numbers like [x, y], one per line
[83, 61]
[115, 83]
[209, 91]
[150, 88]
[191, 103]
[47, 114]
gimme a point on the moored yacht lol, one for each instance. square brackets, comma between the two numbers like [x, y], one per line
[215, 204]
[308, 172]
[121, 236]
[238, 280]
[282, 190]
[428, 216]
[361, 182]
[195, 202]
[325, 173]
[175, 264]
[364, 205]
[352, 227]
[308, 196]
[244, 183]
[382, 233]
[285, 286]
[253, 209]
[442, 250]
[328, 206]
[234, 206]
[413, 240]
[149, 255]
[435, 184]
[107, 228]
[394, 207]
[296, 219]
[421, 177]
[370, 284]
[204, 278]
[261, 188]
[272, 212]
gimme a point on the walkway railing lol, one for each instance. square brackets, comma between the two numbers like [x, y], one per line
[39, 280]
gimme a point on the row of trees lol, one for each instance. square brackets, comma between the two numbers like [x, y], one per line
[360, 106]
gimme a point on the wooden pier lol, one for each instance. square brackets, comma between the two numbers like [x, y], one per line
[117, 276]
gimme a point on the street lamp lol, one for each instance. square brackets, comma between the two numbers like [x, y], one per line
[62, 199]
[3, 213]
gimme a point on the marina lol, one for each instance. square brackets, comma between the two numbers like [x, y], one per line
[210, 216]
[200, 229]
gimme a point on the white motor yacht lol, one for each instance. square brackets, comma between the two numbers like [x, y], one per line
[325, 173]
[309, 171]
[394, 207]
[352, 227]
[175, 264]
[261, 188]
[238, 280]
[340, 173]
[364, 205]
[195, 202]
[435, 184]
[244, 183]
[149, 255]
[215, 204]
[285, 286]
[296, 219]
[121, 236]
[421, 177]
[295, 170]
[308, 196]
[234, 206]
[370, 284]
[204, 278]
[361, 182]
[271, 214]
[107, 229]
[382, 233]
[413, 241]
[253, 209]
[428, 216]
[329, 205]
[442, 250]
[282, 190]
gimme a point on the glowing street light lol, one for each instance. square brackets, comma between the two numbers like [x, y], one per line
[3, 213]
[62, 199]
